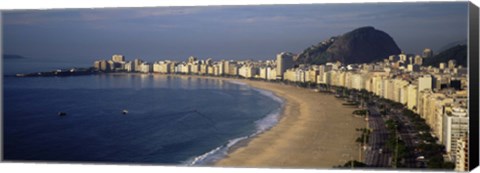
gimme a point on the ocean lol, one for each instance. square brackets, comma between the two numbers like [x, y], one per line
[171, 120]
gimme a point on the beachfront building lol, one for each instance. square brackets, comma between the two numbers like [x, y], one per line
[424, 84]
[221, 68]
[311, 74]
[284, 61]
[146, 68]
[118, 58]
[203, 68]
[137, 63]
[162, 67]
[272, 73]
[461, 156]
[129, 66]
[424, 90]
[232, 68]
[100, 65]
[289, 75]
[418, 60]
[103, 65]
[455, 126]
[247, 71]
[412, 97]
[427, 53]
[194, 67]
[357, 81]
[451, 64]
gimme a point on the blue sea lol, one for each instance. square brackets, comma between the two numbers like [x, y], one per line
[171, 120]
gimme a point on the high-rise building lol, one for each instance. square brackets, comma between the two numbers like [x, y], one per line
[97, 65]
[441, 65]
[226, 67]
[161, 67]
[137, 63]
[146, 68]
[232, 69]
[112, 65]
[263, 73]
[118, 58]
[427, 53]
[129, 66]
[452, 63]
[194, 67]
[203, 68]
[105, 66]
[272, 73]
[284, 61]
[455, 126]
[321, 73]
[358, 81]
[425, 82]
[461, 158]
[221, 67]
[311, 75]
[418, 60]
[402, 57]
[191, 59]
[412, 97]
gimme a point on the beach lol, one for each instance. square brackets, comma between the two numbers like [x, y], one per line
[314, 131]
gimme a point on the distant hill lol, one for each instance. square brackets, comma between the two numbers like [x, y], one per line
[12, 56]
[452, 44]
[458, 53]
[362, 45]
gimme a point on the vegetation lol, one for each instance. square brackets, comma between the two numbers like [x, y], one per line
[352, 164]
[363, 139]
[362, 112]
[395, 144]
[428, 147]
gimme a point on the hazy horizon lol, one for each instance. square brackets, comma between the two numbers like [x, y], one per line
[222, 32]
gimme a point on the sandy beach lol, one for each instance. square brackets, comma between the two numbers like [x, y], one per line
[315, 131]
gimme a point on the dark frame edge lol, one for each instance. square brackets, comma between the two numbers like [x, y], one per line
[473, 47]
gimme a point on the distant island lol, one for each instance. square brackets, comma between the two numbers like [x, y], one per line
[13, 56]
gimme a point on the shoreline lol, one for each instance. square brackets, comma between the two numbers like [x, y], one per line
[305, 135]
[313, 130]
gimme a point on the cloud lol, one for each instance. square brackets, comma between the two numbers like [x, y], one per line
[33, 17]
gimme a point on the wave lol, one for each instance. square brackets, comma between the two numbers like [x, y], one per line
[215, 154]
[261, 125]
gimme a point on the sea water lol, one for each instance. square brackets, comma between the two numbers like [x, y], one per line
[171, 120]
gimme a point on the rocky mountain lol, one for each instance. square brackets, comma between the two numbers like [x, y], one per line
[362, 45]
[457, 53]
[452, 44]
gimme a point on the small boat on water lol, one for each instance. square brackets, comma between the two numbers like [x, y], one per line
[62, 113]
[124, 112]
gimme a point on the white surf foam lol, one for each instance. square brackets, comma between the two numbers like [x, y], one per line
[261, 125]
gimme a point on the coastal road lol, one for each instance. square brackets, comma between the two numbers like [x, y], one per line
[408, 135]
[375, 155]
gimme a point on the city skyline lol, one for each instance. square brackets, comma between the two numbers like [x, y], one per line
[248, 86]
[222, 32]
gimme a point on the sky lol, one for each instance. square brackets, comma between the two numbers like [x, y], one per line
[221, 32]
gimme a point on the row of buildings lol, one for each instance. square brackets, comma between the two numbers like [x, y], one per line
[247, 69]
[437, 94]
